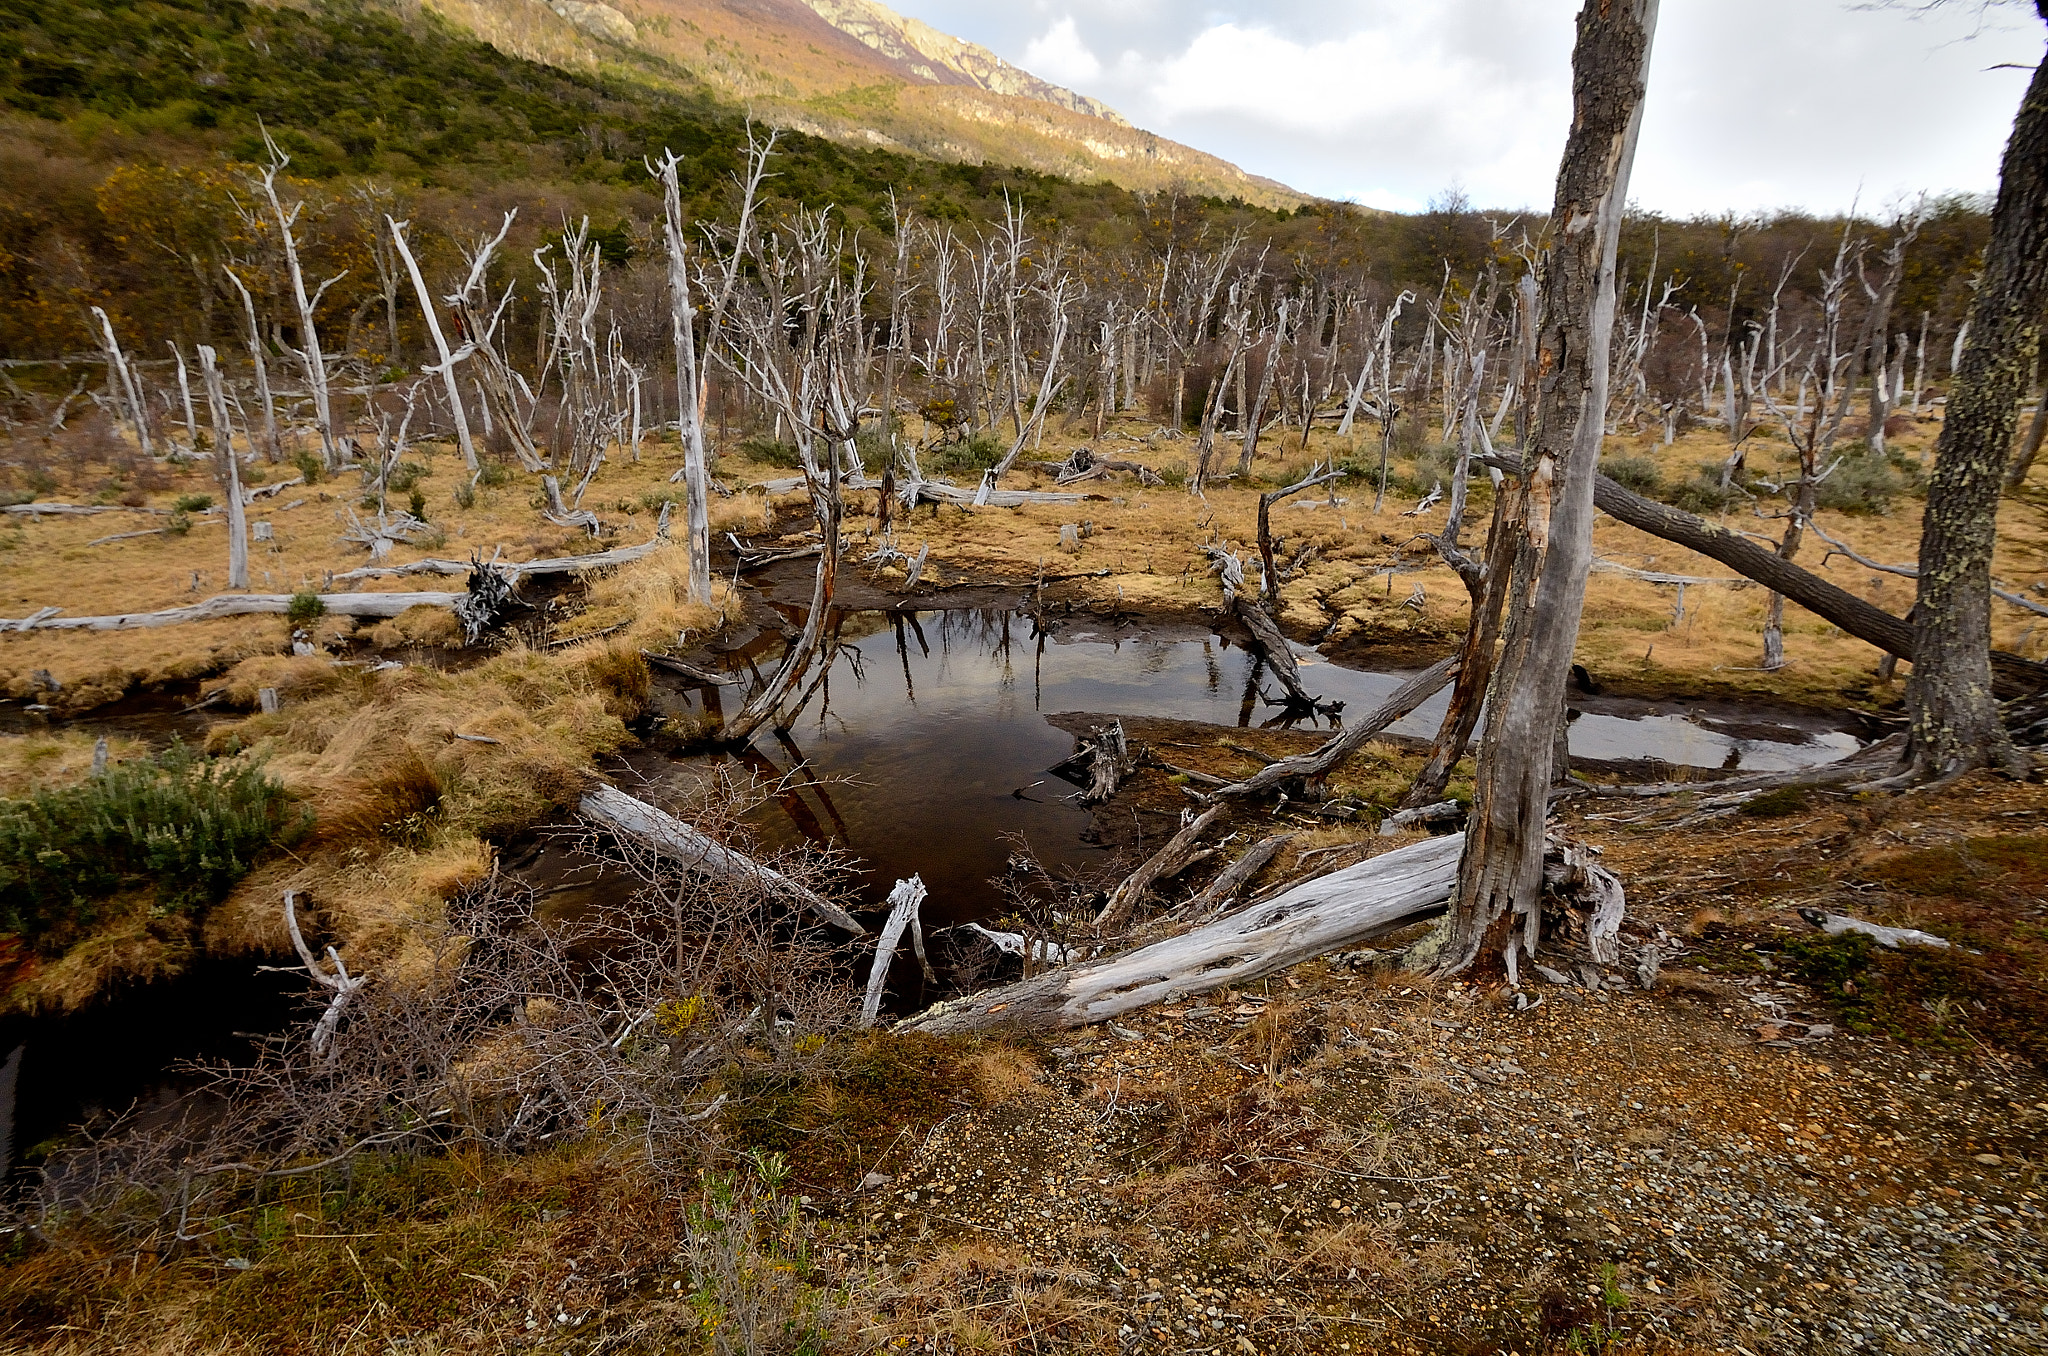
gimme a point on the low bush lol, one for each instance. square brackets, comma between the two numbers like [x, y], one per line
[769, 451]
[192, 503]
[1862, 483]
[1639, 474]
[187, 825]
[970, 456]
[1703, 493]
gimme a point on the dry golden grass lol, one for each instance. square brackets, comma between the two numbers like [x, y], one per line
[49, 563]
[49, 759]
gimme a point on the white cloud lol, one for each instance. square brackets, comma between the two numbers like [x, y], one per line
[1386, 101]
[1060, 56]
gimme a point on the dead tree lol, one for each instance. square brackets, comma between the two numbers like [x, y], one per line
[1953, 719]
[253, 338]
[683, 322]
[123, 384]
[446, 367]
[310, 357]
[228, 470]
[1497, 907]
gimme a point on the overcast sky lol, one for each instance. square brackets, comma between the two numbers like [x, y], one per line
[1753, 105]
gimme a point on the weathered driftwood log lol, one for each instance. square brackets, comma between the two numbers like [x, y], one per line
[1341, 910]
[1170, 860]
[931, 491]
[1014, 944]
[78, 510]
[234, 605]
[904, 902]
[1222, 891]
[1841, 924]
[614, 810]
[1399, 703]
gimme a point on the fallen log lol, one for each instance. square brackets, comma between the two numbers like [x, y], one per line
[621, 814]
[1223, 890]
[598, 560]
[932, 491]
[1841, 925]
[1175, 857]
[1333, 913]
[1421, 814]
[73, 510]
[1399, 703]
[690, 671]
[1251, 613]
[234, 605]
[2013, 675]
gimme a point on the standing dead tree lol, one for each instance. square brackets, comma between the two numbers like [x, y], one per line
[123, 384]
[1497, 908]
[310, 357]
[800, 353]
[227, 469]
[445, 369]
[683, 323]
[253, 338]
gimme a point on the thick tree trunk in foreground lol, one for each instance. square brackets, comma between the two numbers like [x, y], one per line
[1500, 879]
[1952, 713]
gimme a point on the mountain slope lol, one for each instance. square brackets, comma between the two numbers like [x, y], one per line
[946, 60]
[859, 73]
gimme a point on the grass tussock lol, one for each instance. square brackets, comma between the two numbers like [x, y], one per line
[49, 760]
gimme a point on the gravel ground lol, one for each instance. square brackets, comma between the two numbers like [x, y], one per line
[1362, 1162]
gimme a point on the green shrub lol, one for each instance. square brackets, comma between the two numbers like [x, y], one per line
[404, 476]
[188, 825]
[305, 608]
[417, 505]
[1639, 474]
[1780, 803]
[493, 474]
[1862, 483]
[178, 524]
[766, 450]
[308, 462]
[970, 456]
[192, 503]
[1703, 493]
[465, 495]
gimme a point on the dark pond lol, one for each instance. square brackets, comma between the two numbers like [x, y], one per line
[926, 750]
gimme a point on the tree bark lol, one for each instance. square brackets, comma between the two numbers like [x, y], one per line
[1500, 877]
[1953, 723]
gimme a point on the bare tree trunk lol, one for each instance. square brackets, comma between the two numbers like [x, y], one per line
[447, 364]
[121, 381]
[229, 471]
[271, 447]
[310, 355]
[1953, 715]
[1500, 878]
[683, 318]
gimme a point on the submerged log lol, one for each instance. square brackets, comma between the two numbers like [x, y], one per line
[614, 810]
[1345, 909]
